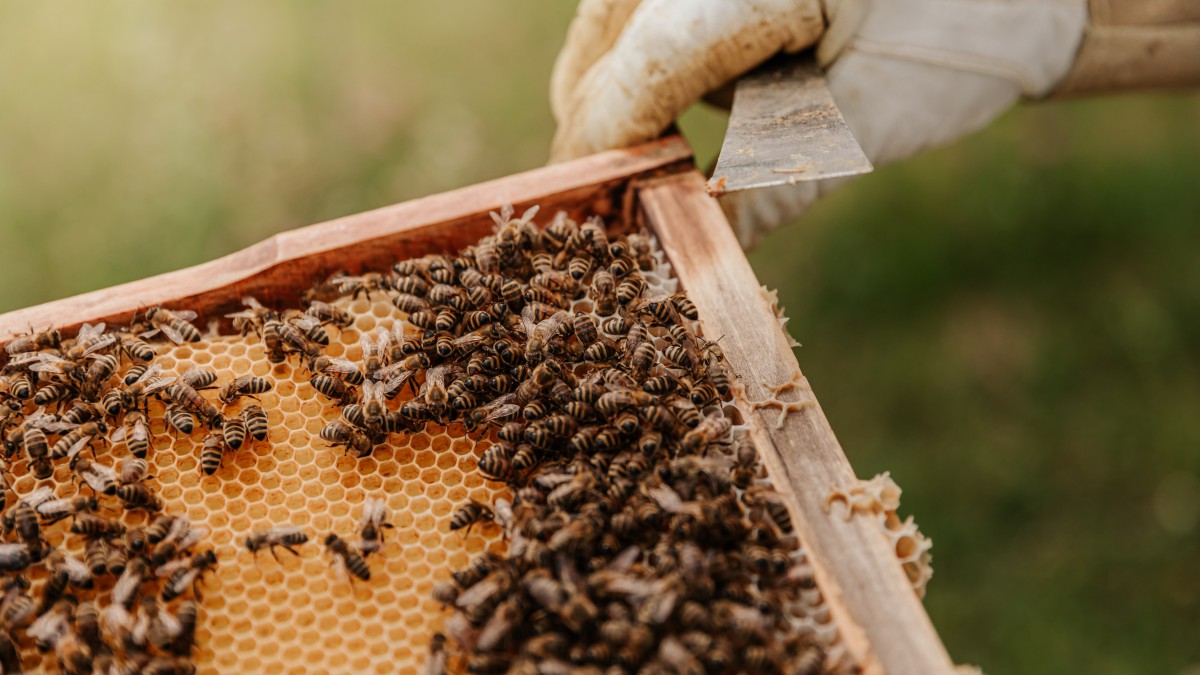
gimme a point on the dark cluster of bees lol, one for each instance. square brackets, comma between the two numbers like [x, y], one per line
[640, 538]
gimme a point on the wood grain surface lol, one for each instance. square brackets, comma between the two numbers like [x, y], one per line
[277, 269]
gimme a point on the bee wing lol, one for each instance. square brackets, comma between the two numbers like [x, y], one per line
[244, 314]
[46, 363]
[149, 333]
[11, 554]
[478, 593]
[530, 213]
[127, 584]
[251, 302]
[468, 341]
[166, 570]
[346, 283]
[169, 623]
[76, 570]
[118, 435]
[39, 496]
[160, 383]
[152, 371]
[99, 344]
[624, 560]
[385, 372]
[503, 512]
[87, 331]
[185, 314]
[77, 448]
[48, 627]
[528, 323]
[374, 511]
[667, 498]
[340, 365]
[304, 322]
[54, 426]
[366, 344]
[98, 477]
[502, 411]
[192, 537]
[117, 620]
[282, 532]
[172, 334]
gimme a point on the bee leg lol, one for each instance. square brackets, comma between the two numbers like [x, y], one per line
[292, 550]
[275, 555]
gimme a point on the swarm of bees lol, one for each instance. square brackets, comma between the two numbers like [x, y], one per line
[640, 535]
[640, 538]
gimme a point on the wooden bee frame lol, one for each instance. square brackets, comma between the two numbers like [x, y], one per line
[881, 621]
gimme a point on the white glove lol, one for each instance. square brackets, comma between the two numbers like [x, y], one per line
[907, 75]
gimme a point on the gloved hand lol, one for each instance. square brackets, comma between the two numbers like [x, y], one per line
[907, 75]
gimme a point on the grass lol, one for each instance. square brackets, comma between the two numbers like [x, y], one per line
[1010, 325]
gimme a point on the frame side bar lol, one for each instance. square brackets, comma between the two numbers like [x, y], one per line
[882, 622]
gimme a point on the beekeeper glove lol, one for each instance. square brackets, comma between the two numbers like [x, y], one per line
[907, 75]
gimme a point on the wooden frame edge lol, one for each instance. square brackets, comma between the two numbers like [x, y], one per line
[882, 622]
[269, 270]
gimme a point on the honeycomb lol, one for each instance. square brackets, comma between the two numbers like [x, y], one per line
[879, 498]
[303, 614]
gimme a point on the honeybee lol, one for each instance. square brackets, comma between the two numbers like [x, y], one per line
[345, 435]
[256, 422]
[187, 576]
[410, 304]
[132, 470]
[285, 537]
[135, 433]
[435, 662]
[496, 461]
[173, 324]
[310, 327]
[100, 478]
[92, 525]
[327, 313]
[38, 450]
[372, 524]
[212, 452]
[611, 403]
[244, 385]
[282, 337]
[708, 431]
[101, 368]
[469, 514]
[52, 393]
[251, 319]
[356, 285]
[374, 352]
[350, 560]
[55, 510]
[44, 339]
[139, 496]
[332, 366]
[539, 333]
[333, 388]
[15, 557]
[180, 419]
[53, 624]
[71, 444]
[188, 398]
[135, 392]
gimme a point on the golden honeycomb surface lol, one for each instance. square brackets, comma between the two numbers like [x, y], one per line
[303, 614]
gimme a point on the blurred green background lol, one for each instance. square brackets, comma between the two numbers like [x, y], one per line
[1011, 325]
